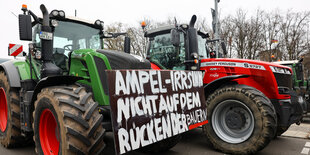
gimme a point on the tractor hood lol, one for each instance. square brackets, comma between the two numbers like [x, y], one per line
[247, 61]
[121, 60]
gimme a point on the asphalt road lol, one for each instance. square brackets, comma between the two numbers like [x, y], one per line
[194, 143]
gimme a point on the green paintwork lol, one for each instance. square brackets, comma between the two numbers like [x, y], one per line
[93, 79]
[23, 68]
[77, 69]
[299, 84]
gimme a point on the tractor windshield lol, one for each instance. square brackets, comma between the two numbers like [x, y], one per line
[164, 54]
[202, 51]
[69, 36]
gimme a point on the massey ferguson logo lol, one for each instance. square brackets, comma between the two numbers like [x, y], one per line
[253, 66]
[233, 64]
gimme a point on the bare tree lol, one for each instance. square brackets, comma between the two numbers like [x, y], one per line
[228, 32]
[269, 36]
[255, 37]
[294, 32]
[115, 43]
[240, 34]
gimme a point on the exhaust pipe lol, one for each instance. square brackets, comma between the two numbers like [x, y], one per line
[46, 20]
[48, 68]
[192, 51]
[192, 37]
[193, 21]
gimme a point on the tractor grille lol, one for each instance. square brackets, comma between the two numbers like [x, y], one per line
[101, 67]
[283, 80]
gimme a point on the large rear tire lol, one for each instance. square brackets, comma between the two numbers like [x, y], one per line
[10, 127]
[242, 120]
[67, 121]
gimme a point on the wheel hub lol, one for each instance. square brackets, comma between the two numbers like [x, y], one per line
[3, 110]
[49, 133]
[232, 121]
[235, 120]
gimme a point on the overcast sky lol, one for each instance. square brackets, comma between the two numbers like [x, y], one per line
[131, 11]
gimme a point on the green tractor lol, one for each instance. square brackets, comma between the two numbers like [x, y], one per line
[59, 95]
[300, 82]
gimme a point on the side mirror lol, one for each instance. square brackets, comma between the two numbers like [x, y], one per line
[127, 45]
[25, 28]
[175, 37]
[224, 48]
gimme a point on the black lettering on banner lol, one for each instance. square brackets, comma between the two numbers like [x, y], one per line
[148, 106]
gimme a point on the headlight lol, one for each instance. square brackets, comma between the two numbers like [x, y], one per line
[97, 22]
[61, 13]
[57, 14]
[54, 23]
[280, 70]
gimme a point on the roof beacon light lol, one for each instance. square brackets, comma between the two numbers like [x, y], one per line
[143, 24]
[24, 6]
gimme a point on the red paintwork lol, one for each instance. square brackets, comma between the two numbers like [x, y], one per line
[49, 132]
[193, 126]
[262, 80]
[3, 110]
[155, 67]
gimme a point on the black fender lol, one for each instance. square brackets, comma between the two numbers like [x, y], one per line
[12, 73]
[211, 87]
[53, 81]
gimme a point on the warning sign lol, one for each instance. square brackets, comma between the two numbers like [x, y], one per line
[148, 106]
[15, 50]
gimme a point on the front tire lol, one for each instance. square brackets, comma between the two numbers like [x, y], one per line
[242, 120]
[67, 121]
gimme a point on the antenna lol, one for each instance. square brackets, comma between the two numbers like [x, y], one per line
[175, 22]
[75, 12]
[14, 14]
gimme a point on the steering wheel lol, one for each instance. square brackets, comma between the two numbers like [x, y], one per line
[68, 47]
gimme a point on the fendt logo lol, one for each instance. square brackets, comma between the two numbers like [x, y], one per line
[15, 50]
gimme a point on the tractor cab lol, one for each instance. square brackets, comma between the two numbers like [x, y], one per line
[168, 46]
[69, 34]
[176, 47]
[163, 53]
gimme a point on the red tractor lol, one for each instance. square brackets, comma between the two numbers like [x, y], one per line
[248, 101]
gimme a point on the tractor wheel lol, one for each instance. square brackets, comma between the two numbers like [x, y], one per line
[162, 146]
[242, 120]
[10, 133]
[67, 121]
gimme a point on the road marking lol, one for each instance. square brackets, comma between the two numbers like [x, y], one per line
[307, 144]
[305, 150]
